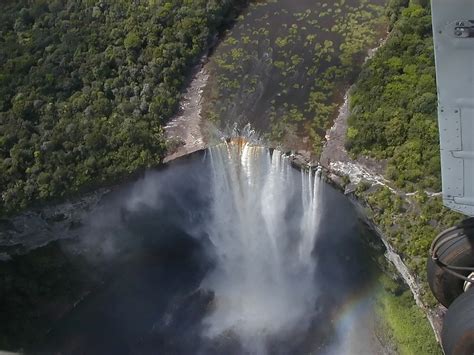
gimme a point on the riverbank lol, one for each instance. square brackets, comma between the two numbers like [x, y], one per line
[358, 178]
[183, 132]
[354, 182]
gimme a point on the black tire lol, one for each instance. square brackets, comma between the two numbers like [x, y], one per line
[457, 252]
[457, 336]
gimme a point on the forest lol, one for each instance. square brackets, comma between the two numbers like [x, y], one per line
[86, 86]
[394, 103]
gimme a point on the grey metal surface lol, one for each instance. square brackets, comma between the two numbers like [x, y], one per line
[454, 52]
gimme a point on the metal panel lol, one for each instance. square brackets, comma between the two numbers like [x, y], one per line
[452, 175]
[467, 153]
[450, 128]
[453, 30]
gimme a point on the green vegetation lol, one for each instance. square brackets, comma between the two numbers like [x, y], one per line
[393, 117]
[410, 224]
[393, 104]
[403, 323]
[287, 81]
[86, 86]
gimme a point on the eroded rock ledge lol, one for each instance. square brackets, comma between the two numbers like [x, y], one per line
[346, 173]
[39, 226]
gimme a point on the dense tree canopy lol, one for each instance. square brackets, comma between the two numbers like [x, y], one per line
[85, 86]
[394, 103]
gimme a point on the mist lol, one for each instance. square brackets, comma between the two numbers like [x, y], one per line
[262, 231]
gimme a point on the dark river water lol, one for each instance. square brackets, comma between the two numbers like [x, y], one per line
[156, 273]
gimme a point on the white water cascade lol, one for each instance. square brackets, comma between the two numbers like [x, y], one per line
[263, 229]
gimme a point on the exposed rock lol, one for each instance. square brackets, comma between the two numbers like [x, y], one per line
[37, 227]
[434, 316]
[301, 159]
[88, 111]
[338, 163]
[37, 104]
[185, 127]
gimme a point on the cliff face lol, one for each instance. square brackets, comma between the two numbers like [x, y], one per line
[389, 125]
[37, 227]
[358, 178]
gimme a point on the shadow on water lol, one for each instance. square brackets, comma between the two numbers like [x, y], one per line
[130, 284]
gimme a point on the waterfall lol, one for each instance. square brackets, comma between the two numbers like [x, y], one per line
[263, 230]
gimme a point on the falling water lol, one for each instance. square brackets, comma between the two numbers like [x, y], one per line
[263, 281]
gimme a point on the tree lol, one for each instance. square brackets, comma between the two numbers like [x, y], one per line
[132, 41]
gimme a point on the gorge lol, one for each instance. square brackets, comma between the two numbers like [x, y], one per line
[232, 251]
[229, 249]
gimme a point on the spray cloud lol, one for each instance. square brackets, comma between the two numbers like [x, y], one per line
[263, 281]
